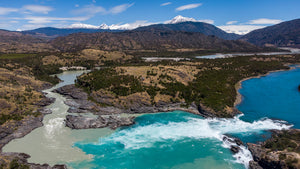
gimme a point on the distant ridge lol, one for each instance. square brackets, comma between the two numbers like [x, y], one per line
[157, 40]
[285, 34]
[16, 42]
[201, 27]
[178, 23]
[51, 33]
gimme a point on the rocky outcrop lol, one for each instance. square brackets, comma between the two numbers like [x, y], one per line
[18, 129]
[70, 91]
[263, 158]
[234, 143]
[19, 160]
[111, 121]
[25, 126]
[45, 101]
[78, 101]
[281, 151]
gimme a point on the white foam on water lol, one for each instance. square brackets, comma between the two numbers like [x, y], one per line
[236, 125]
[195, 128]
[53, 127]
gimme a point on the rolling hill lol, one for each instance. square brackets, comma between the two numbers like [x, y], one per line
[51, 33]
[201, 27]
[285, 34]
[16, 42]
[152, 39]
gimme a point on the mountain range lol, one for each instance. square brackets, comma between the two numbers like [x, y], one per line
[178, 33]
[153, 40]
[179, 23]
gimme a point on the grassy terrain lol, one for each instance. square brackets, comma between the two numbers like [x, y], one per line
[210, 82]
[18, 94]
[31, 61]
[286, 145]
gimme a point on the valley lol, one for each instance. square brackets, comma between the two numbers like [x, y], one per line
[116, 91]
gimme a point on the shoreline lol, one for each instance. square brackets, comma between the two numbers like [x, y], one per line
[193, 110]
[238, 85]
[256, 149]
[37, 121]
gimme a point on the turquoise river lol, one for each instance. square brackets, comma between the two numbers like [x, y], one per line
[177, 140]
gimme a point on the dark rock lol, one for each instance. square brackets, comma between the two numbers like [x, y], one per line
[205, 112]
[263, 158]
[25, 126]
[112, 121]
[254, 165]
[233, 140]
[59, 167]
[45, 86]
[72, 91]
[238, 141]
[45, 101]
[45, 111]
[235, 149]
[22, 159]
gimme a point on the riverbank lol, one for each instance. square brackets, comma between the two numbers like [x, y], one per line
[20, 129]
[108, 116]
[281, 150]
[238, 85]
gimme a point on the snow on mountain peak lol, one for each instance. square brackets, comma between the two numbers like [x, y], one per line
[136, 24]
[103, 26]
[83, 26]
[179, 19]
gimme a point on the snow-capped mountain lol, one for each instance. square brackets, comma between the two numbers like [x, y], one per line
[103, 26]
[126, 26]
[137, 24]
[180, 19]
[83, 26]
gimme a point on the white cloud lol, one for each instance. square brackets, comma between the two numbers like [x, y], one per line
[31, 26]
[4, 11]
[44, 20]
[37, 9]
[4, 25]
[90, 10]
[120, 8]
[189, 6]
[231, 22]
[14, 21]
[165, 4]
[76, 5]
[240, 29]
[264, 21]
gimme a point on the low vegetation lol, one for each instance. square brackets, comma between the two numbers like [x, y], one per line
[286, 145]
[18, 95]
[210, 82]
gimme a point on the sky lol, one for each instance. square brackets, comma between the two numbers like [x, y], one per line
[239, 16]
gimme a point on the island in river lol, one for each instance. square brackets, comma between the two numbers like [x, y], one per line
[205, 87]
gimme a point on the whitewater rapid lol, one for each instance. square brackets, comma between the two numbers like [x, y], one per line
[54, 143]
[147, 136]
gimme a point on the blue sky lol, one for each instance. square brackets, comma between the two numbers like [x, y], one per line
[230, 15]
